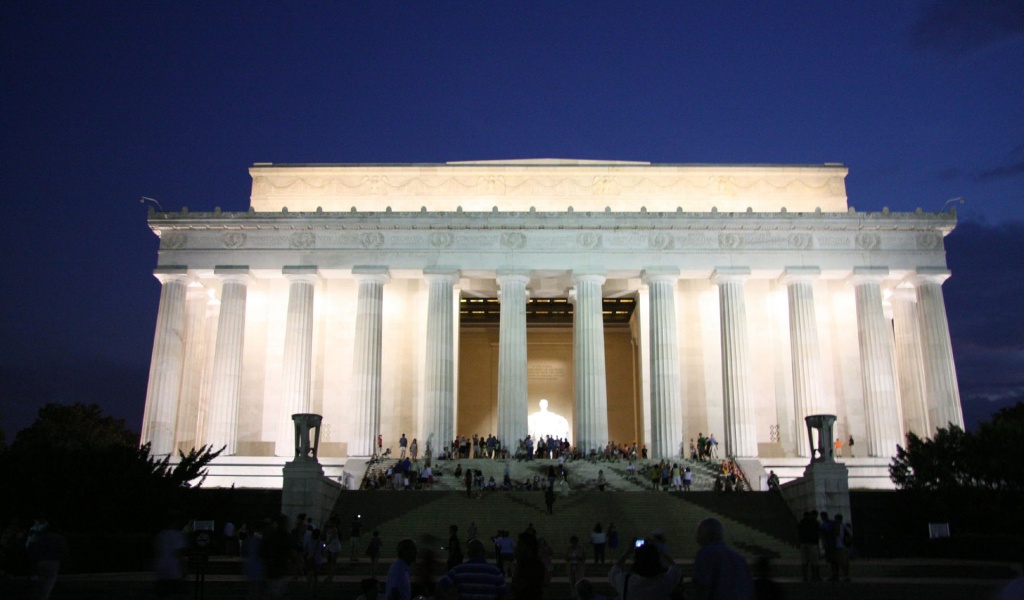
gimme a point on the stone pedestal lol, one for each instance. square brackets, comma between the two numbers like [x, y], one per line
[825, 485]
[306, 489]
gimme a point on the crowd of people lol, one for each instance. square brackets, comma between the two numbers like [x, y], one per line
[523, 568]
[830, 539]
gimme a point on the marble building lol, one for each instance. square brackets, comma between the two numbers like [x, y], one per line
[645, 302]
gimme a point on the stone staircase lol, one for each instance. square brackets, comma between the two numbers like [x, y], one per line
[427, 515]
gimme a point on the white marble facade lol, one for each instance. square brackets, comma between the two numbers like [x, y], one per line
[761, 297]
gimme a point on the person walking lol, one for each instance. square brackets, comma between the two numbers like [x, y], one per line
[575, 560]
[598, 539]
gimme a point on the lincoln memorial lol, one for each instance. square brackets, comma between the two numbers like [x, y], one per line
[643, 302]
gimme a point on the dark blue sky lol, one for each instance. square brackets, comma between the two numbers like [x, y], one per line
[104, 102]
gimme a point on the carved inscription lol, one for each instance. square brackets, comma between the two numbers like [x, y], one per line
[545, 372]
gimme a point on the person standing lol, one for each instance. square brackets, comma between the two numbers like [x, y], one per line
[469, 483]
[719, 572]
[332, 543]
[613, 537]
[414, 449]
[475, 578]
[652, 575]
[844, 537]
[355, 530]
[850, 444]
[839, 448]
[530, 576]
[373, 552]
[575, 560]
[454, 547]
[549, 498]
[807, 535]
[598, 539]
[399, 583]
[403, 445]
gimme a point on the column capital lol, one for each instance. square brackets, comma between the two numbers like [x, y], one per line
[302, 274]
[173, 273]
[730, 275]
[442, 275]
[659, 274]
[862, 275]
[929, 275]
[512, 276]
[590, 275]
[234, 274]
[903, 294]
[799, 275]
[197, 292]
[371, 274]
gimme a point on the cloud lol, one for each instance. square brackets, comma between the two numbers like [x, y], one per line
[1013, 166]
[983, 303]
[986, 291]
[963, 26]
[1006, 171]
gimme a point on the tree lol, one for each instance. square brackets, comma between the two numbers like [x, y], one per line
[945, 462]
[87, 472]
[957, 460]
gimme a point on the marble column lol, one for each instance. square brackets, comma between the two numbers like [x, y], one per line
[439, 397]
[591, 388]
[512, 407]
[666, 420]
[226, 379]
[881, 411]
[804, 347]
[298, 353]
[942, 395]
[740, 423]
[909, 365]
[366, 363]
[193, 397]
[167, 361]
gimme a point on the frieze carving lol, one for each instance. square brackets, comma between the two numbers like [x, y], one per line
[695, 240]
[605, 186]
[442, 239]
[232, 239]
[729, 240]
[833, 241]
[868, 241]
[525, 185]
[494, 184]
[623, 240]
[371, 239]
[302, 240]
[800, 241]
[660, 241]
[513, 240]
[173, 240]
[475, 240]
[374, 184]
[763, 239]
[588, 240]
[928, 241]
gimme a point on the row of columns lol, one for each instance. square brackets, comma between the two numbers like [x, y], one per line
[921, 371]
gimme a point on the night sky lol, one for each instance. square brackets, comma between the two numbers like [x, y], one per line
[104, 102]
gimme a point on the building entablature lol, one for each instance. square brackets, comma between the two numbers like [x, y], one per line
[622, 243]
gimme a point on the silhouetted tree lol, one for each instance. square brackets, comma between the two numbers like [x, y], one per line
[954, 459]
[86, 471]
